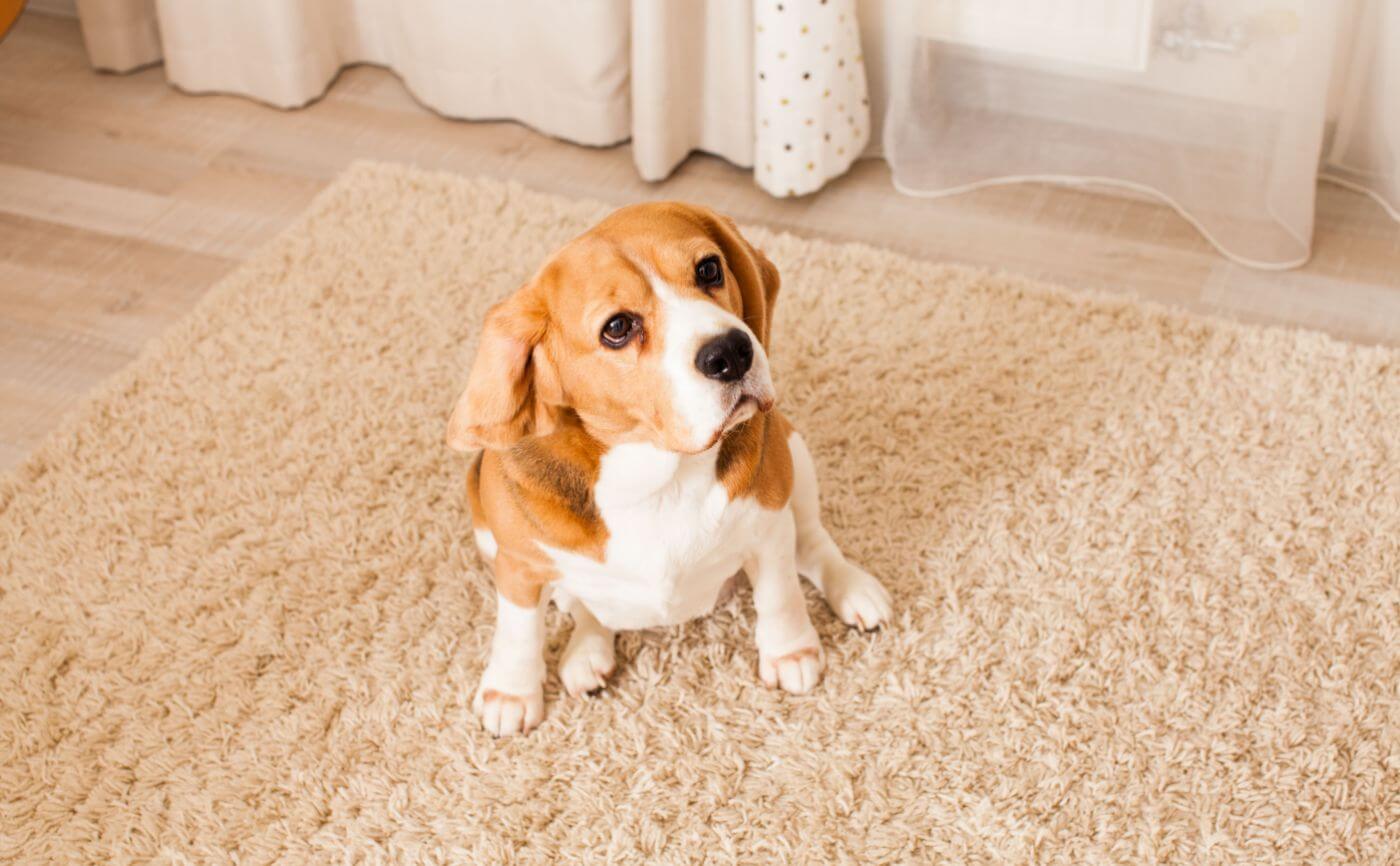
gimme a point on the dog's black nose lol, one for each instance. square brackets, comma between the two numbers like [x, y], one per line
[727, 357]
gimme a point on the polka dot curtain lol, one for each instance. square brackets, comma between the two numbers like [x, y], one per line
[811, 107]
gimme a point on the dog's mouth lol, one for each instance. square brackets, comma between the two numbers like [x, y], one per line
[744, 409]
[747, 403]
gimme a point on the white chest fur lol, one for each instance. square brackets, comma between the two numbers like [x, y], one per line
[674, 538]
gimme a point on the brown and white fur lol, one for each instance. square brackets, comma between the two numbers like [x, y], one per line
[632, 461]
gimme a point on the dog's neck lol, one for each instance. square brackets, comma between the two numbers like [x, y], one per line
[636, 471]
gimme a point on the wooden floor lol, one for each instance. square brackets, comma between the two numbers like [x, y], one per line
[122, 200]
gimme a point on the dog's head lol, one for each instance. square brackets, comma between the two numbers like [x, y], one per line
[651, 327]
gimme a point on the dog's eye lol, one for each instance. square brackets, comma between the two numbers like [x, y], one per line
[708, 273]
[619, 330]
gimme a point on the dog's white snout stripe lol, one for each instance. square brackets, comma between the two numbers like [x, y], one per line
[700, 403]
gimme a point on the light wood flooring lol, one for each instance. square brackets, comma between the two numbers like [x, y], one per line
[122, 200]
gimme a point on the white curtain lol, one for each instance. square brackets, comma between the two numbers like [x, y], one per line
[777, 85]
[1229, 110]
[1365, 147]
[559, 67]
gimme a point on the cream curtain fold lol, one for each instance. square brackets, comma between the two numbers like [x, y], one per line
[1364, 151]
[120, 35]
[692, 83]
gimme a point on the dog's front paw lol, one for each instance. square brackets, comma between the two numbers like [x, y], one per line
[586, 665]
[797, 671]
[504, 714]
[858, 598]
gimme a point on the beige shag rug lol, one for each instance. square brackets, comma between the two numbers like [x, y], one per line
[1147, 567]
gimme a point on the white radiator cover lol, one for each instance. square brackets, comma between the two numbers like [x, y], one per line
[1109, 33]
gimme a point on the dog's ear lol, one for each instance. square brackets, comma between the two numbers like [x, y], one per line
[504, 401]
[758, 278]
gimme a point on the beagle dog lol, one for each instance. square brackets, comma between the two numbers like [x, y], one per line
[632, 461]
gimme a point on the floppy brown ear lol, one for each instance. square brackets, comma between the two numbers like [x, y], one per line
[771, 282]
[501, 403]
[758, 278]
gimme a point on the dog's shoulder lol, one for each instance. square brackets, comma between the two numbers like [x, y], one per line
[541, 489]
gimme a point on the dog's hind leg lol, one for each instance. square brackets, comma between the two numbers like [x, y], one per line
[855, 595]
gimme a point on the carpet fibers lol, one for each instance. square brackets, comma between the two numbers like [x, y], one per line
[1147, 569]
